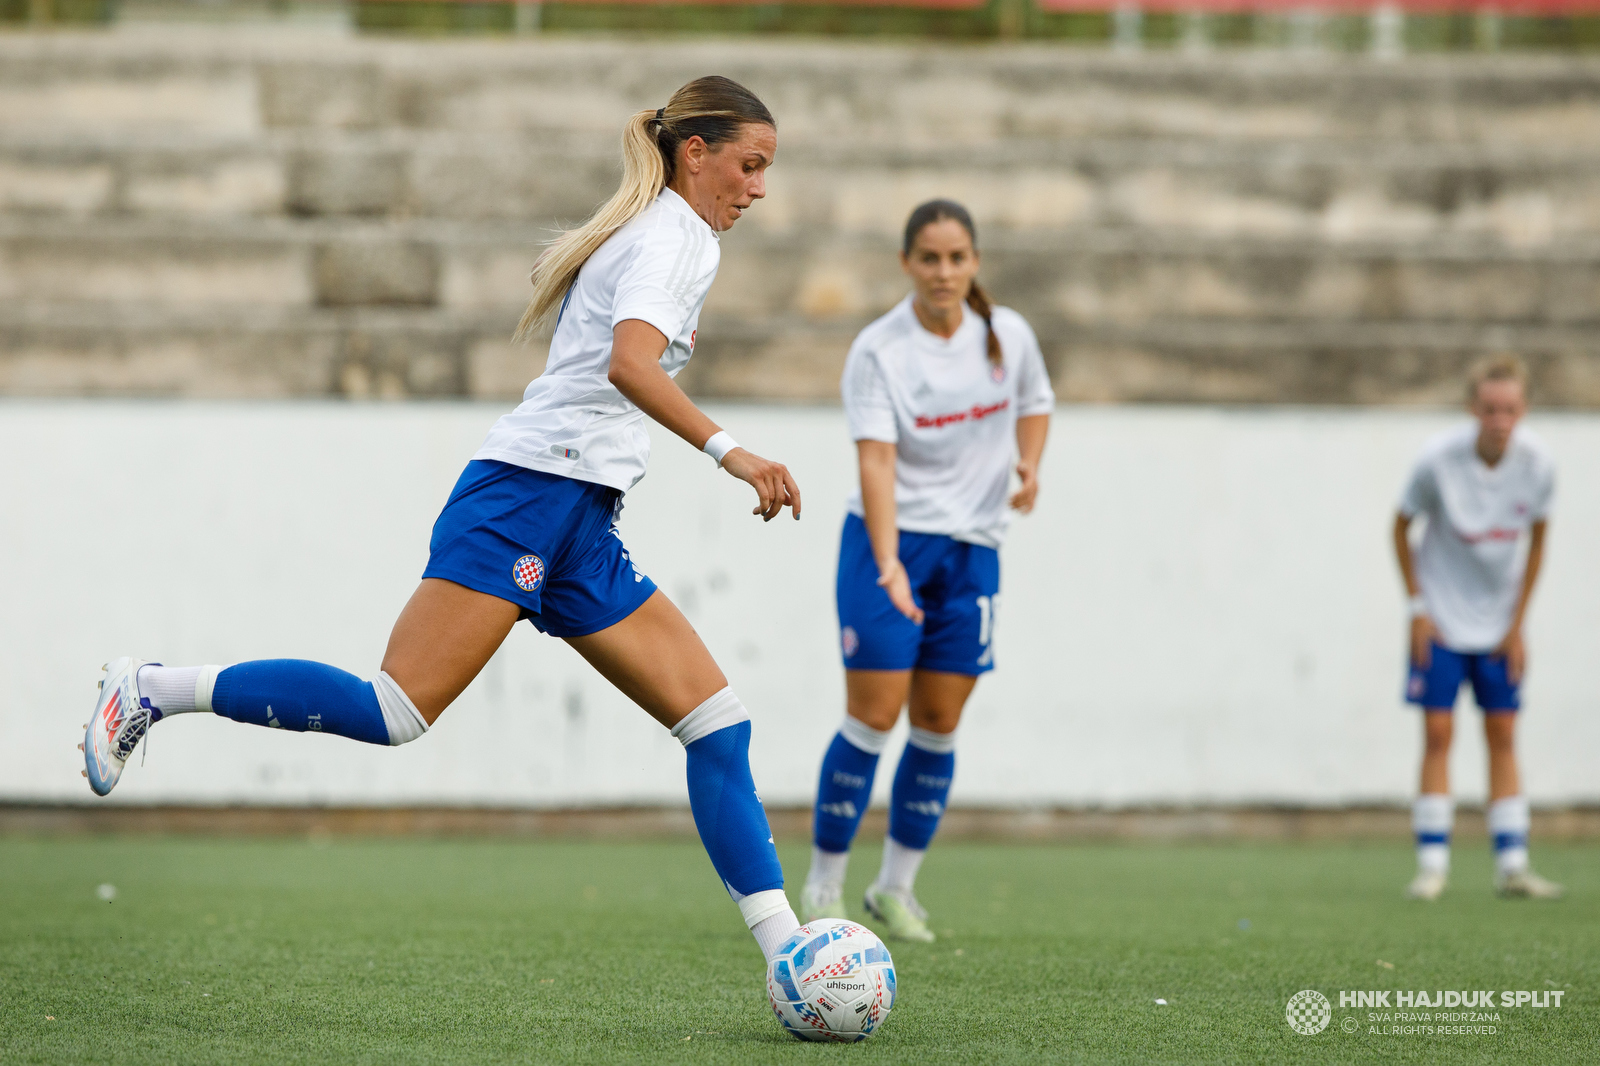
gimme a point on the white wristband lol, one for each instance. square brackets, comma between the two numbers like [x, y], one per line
[1419, 606]
[720, 445]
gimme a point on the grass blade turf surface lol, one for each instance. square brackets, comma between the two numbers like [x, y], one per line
[427, 951]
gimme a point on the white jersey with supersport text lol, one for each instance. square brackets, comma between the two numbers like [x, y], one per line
[572, 421]
[1471, 559]
[951, 414]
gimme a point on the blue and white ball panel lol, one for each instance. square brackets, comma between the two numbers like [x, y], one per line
[833, 980]
[544, 542]
[956, 584]
[1436, 687]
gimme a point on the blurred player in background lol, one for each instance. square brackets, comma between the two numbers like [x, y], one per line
[1483, 488]
[529, 530]
[941, 394]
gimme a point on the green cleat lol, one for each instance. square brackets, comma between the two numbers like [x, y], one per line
[1526, 884]
[902, 917]
[1427, 885]
[821, 901]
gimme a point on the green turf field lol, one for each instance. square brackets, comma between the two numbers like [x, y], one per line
[263, 951]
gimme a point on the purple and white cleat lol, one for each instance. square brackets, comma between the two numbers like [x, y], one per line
[121, 719]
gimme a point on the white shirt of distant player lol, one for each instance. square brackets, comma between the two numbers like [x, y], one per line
[1471, 559]
[951, 414]
[572, 421]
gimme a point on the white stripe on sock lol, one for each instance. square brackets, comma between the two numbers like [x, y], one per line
[400, 716]
[757, 907]
[718, 712]
[929, 741]
[862, 736]
[204, 685]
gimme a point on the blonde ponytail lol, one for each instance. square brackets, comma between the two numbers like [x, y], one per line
[712, 108]
[643, 175]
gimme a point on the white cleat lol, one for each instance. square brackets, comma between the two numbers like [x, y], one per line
[121, 719]
[1525, 884]
[1427, 885]
[821, 901]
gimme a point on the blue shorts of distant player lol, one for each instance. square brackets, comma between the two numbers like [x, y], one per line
[1435, 687]
[546, 543]
[955, 583]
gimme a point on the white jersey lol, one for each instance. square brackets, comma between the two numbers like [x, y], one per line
[572, 421]
[951, 414]
[1470, 563]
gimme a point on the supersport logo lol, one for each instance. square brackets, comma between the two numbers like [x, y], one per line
[1492, 534]
[975, 412]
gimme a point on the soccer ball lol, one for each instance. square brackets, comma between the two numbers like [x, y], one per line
[831, 980]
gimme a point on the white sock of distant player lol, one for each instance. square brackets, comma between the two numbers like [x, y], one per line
[1509, 821]
[900, 864]
[828, 869]
[178, 689]
[1432, 817]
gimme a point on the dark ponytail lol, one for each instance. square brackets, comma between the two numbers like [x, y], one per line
[936, 211]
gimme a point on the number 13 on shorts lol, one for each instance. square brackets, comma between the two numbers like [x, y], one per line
[986, 608]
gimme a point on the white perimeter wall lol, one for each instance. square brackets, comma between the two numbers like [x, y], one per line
[1203, 609]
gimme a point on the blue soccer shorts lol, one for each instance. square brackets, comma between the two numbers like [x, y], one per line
[546, 543]
[955, 583]
[1435, 688]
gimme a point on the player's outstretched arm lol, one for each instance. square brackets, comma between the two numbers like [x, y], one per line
[636, 348]
[1422, 631]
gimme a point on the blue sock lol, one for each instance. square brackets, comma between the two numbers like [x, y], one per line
[728, 813]
[921, 787]
[300, 696]
[843, 791]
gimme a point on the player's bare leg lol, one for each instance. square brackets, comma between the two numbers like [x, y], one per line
[656, 659]
[1508, 814]
[1433, 814]
[445, 635]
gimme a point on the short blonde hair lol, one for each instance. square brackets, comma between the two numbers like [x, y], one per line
[1506, 366]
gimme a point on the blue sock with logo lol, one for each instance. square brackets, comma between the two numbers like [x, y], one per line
[921, 787]
[300, 696]
[722, 796]
[845, 784]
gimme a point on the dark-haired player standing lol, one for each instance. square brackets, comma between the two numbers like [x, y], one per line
[943, 395]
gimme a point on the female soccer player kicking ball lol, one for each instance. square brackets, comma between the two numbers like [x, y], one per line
[528, 531]
[1481, 487]
[941, 394]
